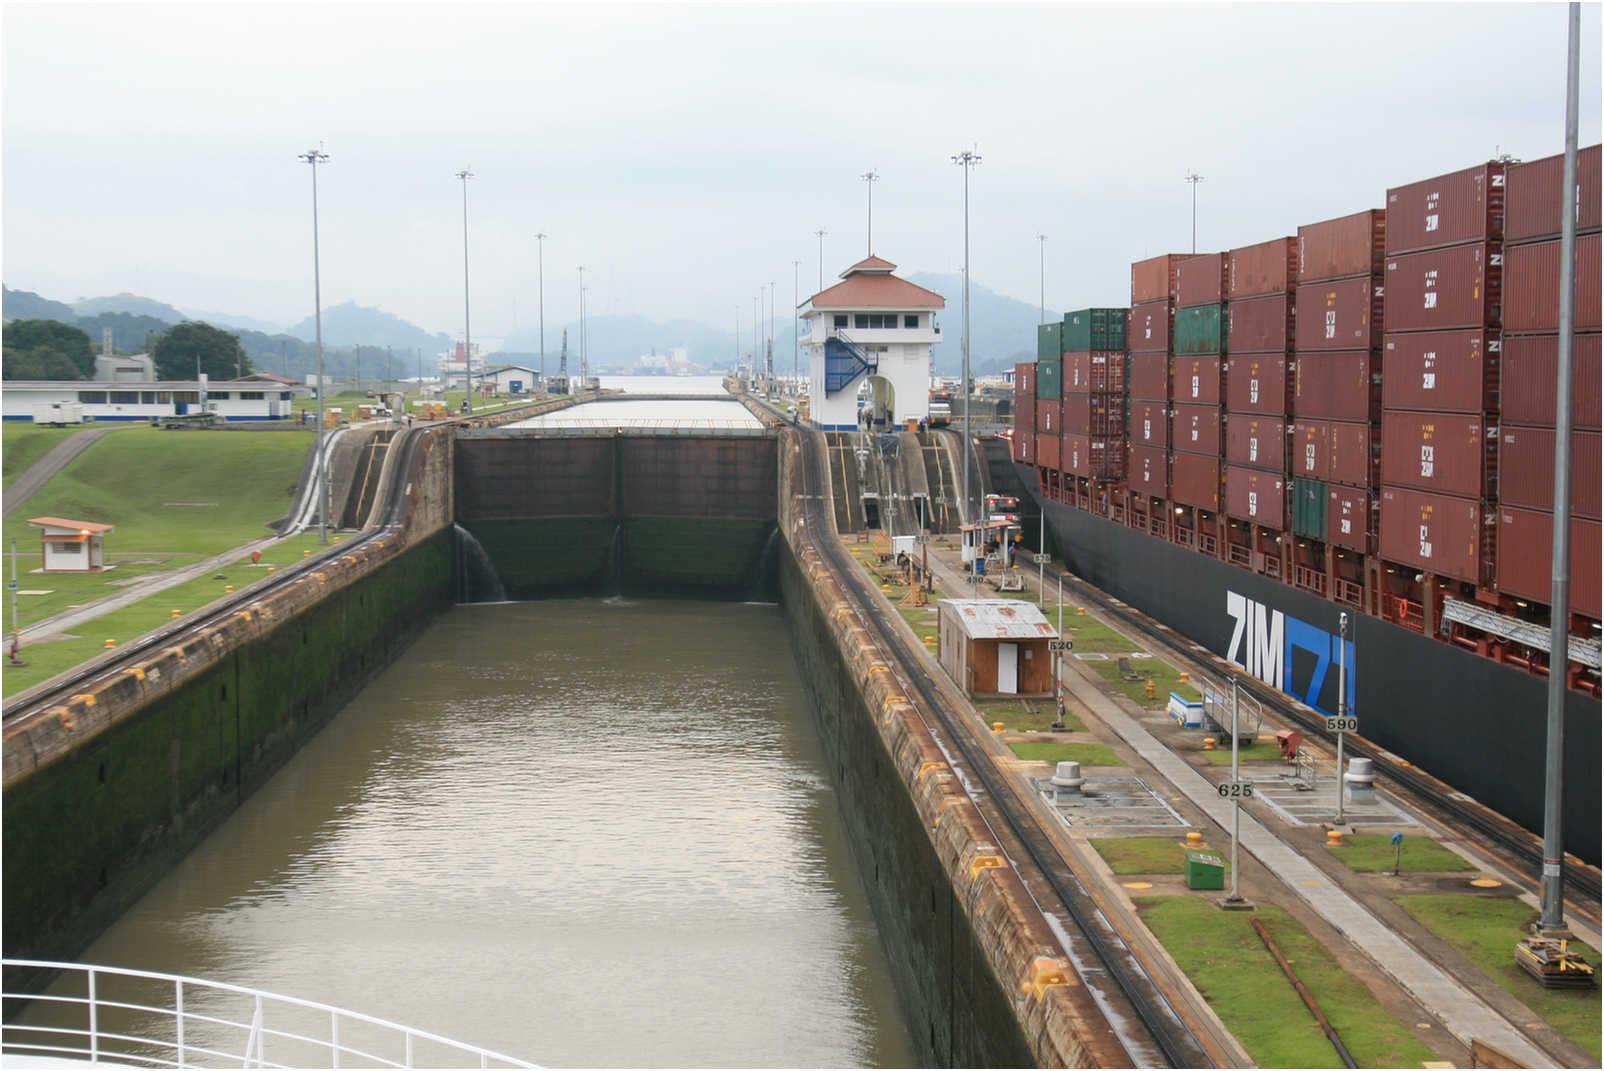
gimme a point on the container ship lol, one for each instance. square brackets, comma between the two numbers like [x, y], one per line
[1357, 418]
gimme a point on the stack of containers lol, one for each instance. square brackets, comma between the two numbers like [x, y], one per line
[1534, 207]
[1336, 398]
[1260, 283]
[1147, 468]
[1197, 382]
[1025, 413]
[1049, 395]
[1094, 396]
[1442, 310]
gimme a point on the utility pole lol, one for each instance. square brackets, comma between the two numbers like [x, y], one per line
[737, 340]
[467, 329]
[1236, 801]
[1041, 245]
[1194, 178]
[821, 232]
[967, 160]
[16, 628]
[581, 330]
[796, 327]
[1342, 705]
[315, 157]
[770, 354]
[540, 259]
[870, 178]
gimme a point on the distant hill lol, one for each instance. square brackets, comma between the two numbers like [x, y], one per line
[614, 341]
[26, 305]
[233, 320]
[129, 303]
[1003, 328]
[350, 324]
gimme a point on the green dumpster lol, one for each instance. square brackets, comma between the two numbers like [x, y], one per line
[1204, 870]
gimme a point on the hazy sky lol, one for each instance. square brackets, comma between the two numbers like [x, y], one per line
[686, 154]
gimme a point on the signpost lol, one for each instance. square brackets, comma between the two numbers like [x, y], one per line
[1236, 790]
[16, 629]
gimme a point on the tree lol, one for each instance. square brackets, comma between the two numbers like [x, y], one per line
[219, 353]
[46, 349]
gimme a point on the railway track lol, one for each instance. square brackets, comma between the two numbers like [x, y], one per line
[1152, 1022]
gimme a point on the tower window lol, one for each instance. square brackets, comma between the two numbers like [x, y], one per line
[840, 319]
[910, 322]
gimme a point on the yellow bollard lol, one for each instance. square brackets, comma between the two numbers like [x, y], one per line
[1080, 611]
[178, 613]
[930, 641]
[1195, 840]
[228, 589]
[110, 644]
[1184, 676]
[1333, 838]
[272, 568]
[996, 726]
[1208, 743]
[306, 553]
[1152, 690]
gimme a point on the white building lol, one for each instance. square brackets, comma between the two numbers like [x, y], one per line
[870, 334]
[508, 379]
[101, 400]
[71, 546]
[127, 368]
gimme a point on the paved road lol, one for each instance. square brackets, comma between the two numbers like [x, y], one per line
[56, 459]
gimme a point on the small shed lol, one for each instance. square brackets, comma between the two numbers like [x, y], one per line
[996, 647]
[71, 546]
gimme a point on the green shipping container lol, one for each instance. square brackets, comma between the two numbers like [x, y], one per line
[1049, 341]
[1204, 870]
[1050, 377]
[1309, 508]
[1200, 330]
[1094, 329]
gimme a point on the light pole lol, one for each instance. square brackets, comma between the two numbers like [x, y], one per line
[870, 178]
[1236, 801]
[1194, 178]
[967, 160]
[796, 327]
[820, 232]
[737, 340]
[1041, 245]
[1342, 704]
[540, 260]
[769, 355]
[315, 157]
[467, 329]
[581, 331]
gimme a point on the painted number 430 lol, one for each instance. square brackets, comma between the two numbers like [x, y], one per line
[1235, 790]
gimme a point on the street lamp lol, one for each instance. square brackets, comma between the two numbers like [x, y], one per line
[821, 233]
[540, 257]
[870, 178]
[467, 330]
[1194, 178]
[967, 160]
[315, 157]
[1041, 245]
[796, 328]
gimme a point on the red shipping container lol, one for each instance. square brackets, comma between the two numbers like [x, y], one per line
[1149, 329]
[1526, 556]
[1150, 424]
[1441, 371]
[1024, 378]
[1531, 286]
[1464, 206]
[1259, 325]
[1101, 415]
[1076, 455]
[1526, 469]
[1432, 533]
[1047, 452]
[1094, 370]
[1348, 245]
[1147, 471]
[1196, 429]
[1150, 376]
[1267, 268]
[1445, 453]
[1442, 288]
[1024, 447]
[1533, 198]
[1256, 442]
[1077, 374]
[1529, 367]
[1153, 279]
[1337, 386]
[1197, 379]
[1352, 453]
[1341, 315]
[1309, 453]
[1049, 417]
[1260, 497]
[1200, 280]
[1257, 384]
[1348, 518]
[1195, 481]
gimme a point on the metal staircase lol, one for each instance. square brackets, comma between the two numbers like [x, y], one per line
[844, 362]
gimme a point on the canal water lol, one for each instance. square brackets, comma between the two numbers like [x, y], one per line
[580, 832]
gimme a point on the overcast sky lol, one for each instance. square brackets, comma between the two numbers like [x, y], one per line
[686, 154]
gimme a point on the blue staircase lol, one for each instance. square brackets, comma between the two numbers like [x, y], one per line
[844, 362]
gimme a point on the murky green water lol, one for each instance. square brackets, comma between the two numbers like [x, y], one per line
[578, 832]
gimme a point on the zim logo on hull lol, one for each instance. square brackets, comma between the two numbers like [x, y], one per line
[1288, 654]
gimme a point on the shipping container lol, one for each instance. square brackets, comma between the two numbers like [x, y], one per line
[1102, 371]
[1200, 329]
[1531, 286]
[1442, 288]
[1095, 329]
[1309, 451]
[1196, 429]
[1331, 450]
[1347, 245]
[1047, 451]
[1340, 315]
[1446, 453]
[1150, 328]
[1260, 497]
[1310, 503]
[1024, 443]
[1526, 556]
[1150, 377]
[1100, 415]
[1441, 371]
[1153, 279]
[1049, 341]
[1526, 469]
[1533, 198]
[1147, 470]
[1463, 206]
[1024, 379]
[1049, 417]
[1149, 424]
[1195, 481]
[1197, 380]
[1348, 520]
[1256, 442]
[1200, 280]
[1433, 533]
[1260, 325]
[1266, 268]
[1528, 367]
[1258, 383]
[1337, 386]
[1049, 378]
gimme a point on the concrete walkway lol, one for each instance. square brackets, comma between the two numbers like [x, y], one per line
[54, 460]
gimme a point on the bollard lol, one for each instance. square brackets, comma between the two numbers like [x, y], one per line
[930, 641]
[228, 589]
[110, 644]
[1194, 840]
[1152, 689]
[178, 613]
[1184, 676]
[306, 553]
[1208, 743]
[1080, 611]
[996, 726]
[1333, 838]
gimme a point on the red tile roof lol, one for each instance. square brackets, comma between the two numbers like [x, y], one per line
[871, 263]
[869, 284]
[62, 522]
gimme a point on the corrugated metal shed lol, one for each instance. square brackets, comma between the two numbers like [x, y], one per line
[1000, 619]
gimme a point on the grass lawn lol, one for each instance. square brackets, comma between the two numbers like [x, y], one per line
[174, 496]
[1421, 855]
[1230, 966]
[1165, 680]
[1485, 931]
[1091, 635]
[1025, 715]
[45, 660]
[1145, 855]
[1067, 751]
[1258, 751]
[24, 443]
